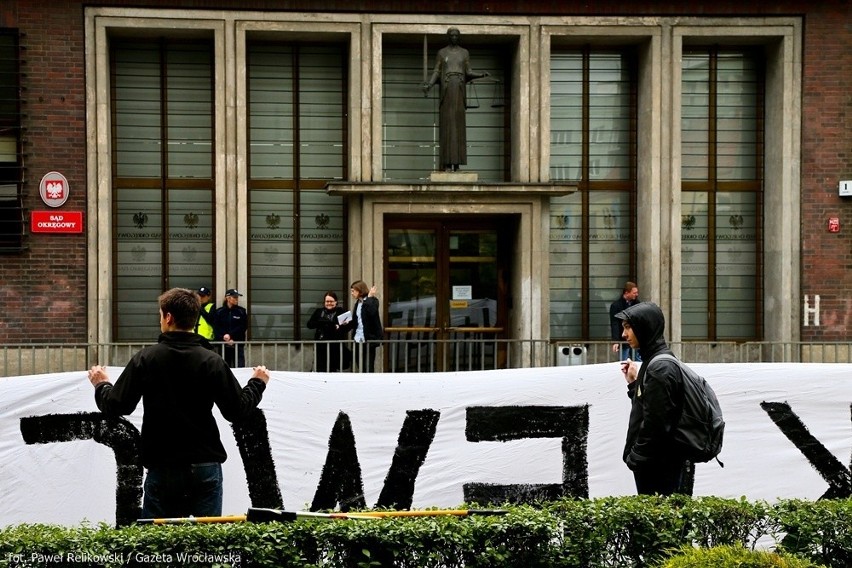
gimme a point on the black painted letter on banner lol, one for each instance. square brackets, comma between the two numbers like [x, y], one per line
[340, 480]
[252, 438]
[829, 467]
[504, 423]
[413, 444]
[117, 433]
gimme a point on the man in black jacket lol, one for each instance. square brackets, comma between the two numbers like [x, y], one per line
[656, 393]
[180, 380]
[230, 326]
[629, 297]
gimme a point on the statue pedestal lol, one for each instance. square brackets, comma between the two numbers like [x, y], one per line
[454, 177]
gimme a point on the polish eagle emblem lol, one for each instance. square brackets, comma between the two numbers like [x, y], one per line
[736, 222]
[191, 220]
[140, 219]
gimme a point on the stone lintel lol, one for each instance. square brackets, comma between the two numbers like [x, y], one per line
[350, 188]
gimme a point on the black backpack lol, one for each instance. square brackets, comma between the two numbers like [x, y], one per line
[700, 429]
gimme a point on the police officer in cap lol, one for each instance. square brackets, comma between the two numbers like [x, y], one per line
[230, 326]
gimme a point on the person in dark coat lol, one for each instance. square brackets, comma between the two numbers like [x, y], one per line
[366, 325]
[335, 356]
[230, 327]
[629, 297]
[656, 394]
[179, 380]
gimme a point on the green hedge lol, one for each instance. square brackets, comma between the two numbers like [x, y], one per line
[734, 556]
[606, 532]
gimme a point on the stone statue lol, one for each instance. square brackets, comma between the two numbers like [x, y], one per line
[452, 69]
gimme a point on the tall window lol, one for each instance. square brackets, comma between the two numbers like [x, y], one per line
[163, 191]
[722, 194]
[297, 134]
[592, 232]
[11, 164]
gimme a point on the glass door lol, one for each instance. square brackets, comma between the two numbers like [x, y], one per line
[447, 297]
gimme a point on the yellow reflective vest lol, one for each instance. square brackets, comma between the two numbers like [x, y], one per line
[203, 327]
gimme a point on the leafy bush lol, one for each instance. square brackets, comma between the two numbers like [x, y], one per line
[820, 530]
[619, 531]
[734, 557]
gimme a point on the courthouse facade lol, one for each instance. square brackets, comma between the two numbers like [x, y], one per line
[287, 148]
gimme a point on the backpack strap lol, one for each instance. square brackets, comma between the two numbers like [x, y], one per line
[663, 356]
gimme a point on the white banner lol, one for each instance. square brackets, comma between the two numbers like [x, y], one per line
[427, 440]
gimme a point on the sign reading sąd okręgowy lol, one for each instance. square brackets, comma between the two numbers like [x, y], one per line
[425, 440]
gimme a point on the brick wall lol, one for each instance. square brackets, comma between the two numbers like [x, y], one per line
[826, 159]
[44, 295]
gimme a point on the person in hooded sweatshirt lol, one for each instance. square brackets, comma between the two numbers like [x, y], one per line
[656, 395]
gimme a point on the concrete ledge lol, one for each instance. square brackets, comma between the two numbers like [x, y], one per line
[454, 177]
[349, 188]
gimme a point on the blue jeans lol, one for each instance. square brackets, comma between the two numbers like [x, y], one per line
[183, 491]
[626, 352]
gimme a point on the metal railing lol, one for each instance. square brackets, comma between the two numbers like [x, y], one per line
[423, 355]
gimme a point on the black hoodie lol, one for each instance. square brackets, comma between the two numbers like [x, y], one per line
[656, 395]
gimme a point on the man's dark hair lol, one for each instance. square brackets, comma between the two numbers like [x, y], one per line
[628, 286]
[183, 304]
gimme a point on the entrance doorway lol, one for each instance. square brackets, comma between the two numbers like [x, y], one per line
[447, 291]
